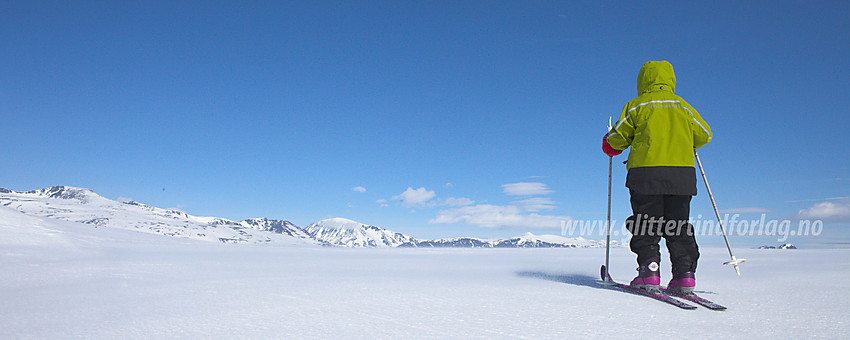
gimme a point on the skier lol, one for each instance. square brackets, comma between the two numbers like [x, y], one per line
[663, 130]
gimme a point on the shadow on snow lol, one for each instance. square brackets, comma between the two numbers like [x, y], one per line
[575, 279]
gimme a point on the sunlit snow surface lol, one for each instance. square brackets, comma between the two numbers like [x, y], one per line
[67, 280]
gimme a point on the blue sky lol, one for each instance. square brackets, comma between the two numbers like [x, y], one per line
[422, 117]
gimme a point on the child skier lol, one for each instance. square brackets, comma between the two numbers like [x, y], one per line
[663, 130]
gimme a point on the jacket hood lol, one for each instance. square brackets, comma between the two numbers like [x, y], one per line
[656, 76]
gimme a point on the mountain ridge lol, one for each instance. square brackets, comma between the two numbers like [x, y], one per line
[87, 207]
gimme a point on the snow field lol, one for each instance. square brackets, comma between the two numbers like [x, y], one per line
[66, 280]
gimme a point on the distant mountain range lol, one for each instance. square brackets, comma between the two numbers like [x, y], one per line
[528, 240]
[784, 246]
[85, 206]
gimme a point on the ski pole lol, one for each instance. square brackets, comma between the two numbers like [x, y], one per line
[734, 262]
[608, 223]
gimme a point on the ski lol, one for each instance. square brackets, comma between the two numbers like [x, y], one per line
[660, 297]
[696, 299]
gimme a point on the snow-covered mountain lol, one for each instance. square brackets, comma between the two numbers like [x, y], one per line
[343, 232]
[85, 206]
[347, 233]
[784, 246]
[459, 242]
[528, 240]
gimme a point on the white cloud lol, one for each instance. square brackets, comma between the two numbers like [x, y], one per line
[449, 185]
[827, 211]
[821, 199]
[520, 214]
[358, 189]
[526, 189]
[748, 210]
[413, 198]
[383, 203]
[495, 216]
[535, 204]
[424, 198]
[457, 202]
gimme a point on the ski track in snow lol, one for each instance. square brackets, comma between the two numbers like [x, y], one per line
[65, 280]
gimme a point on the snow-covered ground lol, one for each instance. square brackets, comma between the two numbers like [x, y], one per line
[64, 279]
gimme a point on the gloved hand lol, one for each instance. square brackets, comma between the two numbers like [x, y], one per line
[608, 150]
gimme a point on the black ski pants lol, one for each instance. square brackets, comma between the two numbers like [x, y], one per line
[657, 216]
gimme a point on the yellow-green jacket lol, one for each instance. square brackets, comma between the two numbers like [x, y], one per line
[663, 130]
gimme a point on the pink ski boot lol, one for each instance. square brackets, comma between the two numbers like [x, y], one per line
[649, 278]
[682, 283]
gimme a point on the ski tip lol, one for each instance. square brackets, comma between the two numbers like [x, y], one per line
[603, 273]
